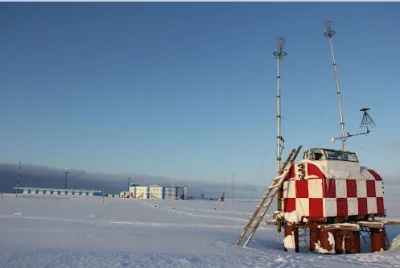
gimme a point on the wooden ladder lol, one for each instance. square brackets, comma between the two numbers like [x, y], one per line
[267, 199]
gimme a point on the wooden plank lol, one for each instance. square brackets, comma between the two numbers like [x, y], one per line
[371, 224]
[340, 226]
[392, 222]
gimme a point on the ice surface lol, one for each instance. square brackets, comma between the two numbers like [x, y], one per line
[292, 217]
[82, 232]
[331, 240]
[289, 242]
[337, 175]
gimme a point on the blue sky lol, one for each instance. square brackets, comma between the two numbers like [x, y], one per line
[187, 90]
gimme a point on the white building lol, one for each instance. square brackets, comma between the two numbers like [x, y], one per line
[154, 191]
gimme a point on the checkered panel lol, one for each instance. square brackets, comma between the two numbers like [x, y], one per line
[334, 197]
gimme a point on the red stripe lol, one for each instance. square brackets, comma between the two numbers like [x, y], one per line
[289, 204]
[314, 170]
[302, 188]
[316, 207]
[371, 192]
[376, 175]
[331, 191]
[341, 205]
[379, 205]
[362, 206]
[351, 186]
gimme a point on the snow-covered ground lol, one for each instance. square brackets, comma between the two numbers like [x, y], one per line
[84, 232]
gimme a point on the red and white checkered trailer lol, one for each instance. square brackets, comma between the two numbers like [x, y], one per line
[330, 183]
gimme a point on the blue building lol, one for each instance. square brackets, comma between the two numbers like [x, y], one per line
[58, 192]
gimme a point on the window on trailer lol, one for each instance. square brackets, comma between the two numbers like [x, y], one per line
[341, 156]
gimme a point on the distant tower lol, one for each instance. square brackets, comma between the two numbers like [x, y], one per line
[185, 192]
[18, 178]
[66, 180]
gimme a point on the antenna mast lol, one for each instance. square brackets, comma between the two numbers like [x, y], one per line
[279, 54]
[329, 33]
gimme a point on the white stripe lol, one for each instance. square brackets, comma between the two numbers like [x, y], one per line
[361, 188]
[315, 188]
[330, 207]
[371, 203]
[352, 206]
[341, 188]
[289, 189]
[303, 206]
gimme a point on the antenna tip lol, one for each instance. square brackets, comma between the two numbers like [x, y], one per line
[364, 109]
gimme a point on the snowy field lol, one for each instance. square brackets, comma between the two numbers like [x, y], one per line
[84, 232]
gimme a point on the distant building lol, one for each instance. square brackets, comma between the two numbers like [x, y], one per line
[58, 192]
[154, 191]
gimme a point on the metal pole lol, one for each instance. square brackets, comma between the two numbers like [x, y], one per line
[66, 180]
[279, 54]
[329, 33]
[18, 176]
[278, 114]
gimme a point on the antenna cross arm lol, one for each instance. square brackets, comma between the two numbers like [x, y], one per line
[350, 135]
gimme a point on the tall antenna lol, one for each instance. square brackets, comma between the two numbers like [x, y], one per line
[329, 33]
[279, 54]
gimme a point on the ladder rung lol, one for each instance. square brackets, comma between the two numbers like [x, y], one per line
[267, 198]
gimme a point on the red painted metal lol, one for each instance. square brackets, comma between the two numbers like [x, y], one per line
[324, 240]
[314, 235]
[378, 238]
[351, 241]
